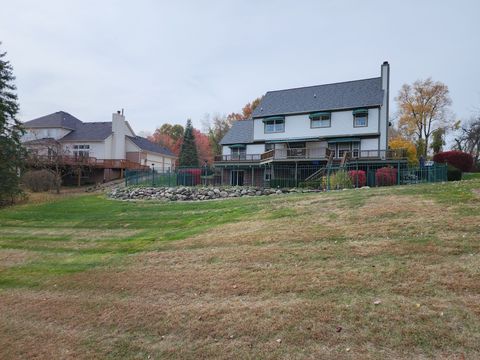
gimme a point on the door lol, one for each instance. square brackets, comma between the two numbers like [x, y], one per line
[236, 177]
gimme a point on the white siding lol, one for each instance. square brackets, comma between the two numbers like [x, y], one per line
[35, 134]
[97, 149]
[369, 144]
[255, 148]
[298, 126]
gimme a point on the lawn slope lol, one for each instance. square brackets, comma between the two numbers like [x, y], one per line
[378, 273]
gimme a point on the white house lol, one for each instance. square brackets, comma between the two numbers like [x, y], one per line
[297, 126]
[110, 147]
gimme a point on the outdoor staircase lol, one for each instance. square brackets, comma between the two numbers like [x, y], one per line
[321, 172]
[330, 164]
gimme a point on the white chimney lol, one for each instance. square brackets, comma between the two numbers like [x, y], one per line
[384, 113]
[119, 132]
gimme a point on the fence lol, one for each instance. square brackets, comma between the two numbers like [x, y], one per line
[289, 176]
[353, 175]
[185, 176]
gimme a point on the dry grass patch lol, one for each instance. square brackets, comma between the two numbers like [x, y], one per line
[298, 279]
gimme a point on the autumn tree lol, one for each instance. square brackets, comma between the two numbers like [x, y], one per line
[216, 128]
[438, 140]
[12, 153]
[188, 152]
[399, 143]
[204, 149]
[423, 108]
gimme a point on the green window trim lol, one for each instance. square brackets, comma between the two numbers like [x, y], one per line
[343, 140]
[274, 118]
[360, 111]
[234, 146]
[318, 114]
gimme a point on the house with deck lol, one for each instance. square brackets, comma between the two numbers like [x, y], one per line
[98, 151]
[310, 127]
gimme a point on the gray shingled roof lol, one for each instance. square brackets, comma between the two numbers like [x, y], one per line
[90, 131]
[147, 145]
[58, 119]
[344, 95]
[241, 132]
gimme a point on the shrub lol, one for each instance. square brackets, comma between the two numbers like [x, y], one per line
[340, 180]
[453, 174]
[189, 177]
[459, 159]
[358, 178]
[386, 176]
[319, 184]
[39, 180]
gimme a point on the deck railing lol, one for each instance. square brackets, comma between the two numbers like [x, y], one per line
[314, 154]
[69, 160]
[238, 157]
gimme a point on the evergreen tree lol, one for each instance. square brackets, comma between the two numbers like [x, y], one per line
[188, 152]
[12, 153]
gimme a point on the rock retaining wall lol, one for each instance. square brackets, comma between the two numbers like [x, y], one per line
[184, 193]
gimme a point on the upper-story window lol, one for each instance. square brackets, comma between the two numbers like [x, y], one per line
[320, 120]
[360, 118]
[81, 151]
[274, 125]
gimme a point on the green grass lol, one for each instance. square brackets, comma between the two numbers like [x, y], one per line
[225, 279]
[471, 176]
[78, 233]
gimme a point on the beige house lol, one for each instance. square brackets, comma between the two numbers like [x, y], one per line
[108, 147]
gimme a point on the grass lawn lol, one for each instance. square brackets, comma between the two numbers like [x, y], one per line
[383, 273]
[471, 176]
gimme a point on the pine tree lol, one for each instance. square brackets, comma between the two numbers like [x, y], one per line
[188, 152]
[12, 153]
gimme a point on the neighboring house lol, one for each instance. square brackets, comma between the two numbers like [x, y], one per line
[303, 126]
[108, 147]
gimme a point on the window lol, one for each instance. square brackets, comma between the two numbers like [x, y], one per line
[332, 147]
[238, 153]
[274, 126]
[355, 149]
[360, 118]
[81, 151]
[320, 121]
[343, 148]
[269, 147]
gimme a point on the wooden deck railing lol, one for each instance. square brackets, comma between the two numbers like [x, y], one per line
[68, 160]
[314, 154]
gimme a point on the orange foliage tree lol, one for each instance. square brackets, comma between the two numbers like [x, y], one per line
[409, 146]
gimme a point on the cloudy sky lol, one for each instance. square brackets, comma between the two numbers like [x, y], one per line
[166, 61]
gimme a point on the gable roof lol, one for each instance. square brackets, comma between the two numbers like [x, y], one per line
[343, 95]
[147, 145]
[58, 119]
[90, 131]
[241, 132]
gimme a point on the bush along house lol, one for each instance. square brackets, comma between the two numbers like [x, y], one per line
[296, 135]
[89, 152]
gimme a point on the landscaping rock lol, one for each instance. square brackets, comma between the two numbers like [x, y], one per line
[184, 193]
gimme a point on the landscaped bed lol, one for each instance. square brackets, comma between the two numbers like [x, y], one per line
[387, 273]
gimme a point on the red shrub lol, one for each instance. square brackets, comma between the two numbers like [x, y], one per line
[358, 178]
[189, 177]
[386, 176]
[459, 159]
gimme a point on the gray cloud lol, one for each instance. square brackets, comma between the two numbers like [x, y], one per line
[165, 61]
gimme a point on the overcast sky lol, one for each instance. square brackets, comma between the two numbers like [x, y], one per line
[166, 61]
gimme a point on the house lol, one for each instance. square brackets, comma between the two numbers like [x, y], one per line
[106, 149]
[310, 126]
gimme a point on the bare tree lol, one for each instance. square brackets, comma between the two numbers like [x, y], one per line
[423, 108]
[469, 138]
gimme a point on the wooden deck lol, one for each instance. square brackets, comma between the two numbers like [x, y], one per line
[67, 160]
